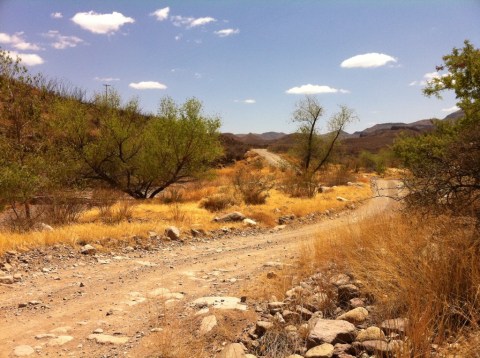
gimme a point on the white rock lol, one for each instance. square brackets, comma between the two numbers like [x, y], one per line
[208, 323]
[59, 341]
[88, 250]
[107, 339]
[23, 351]
[249, 222]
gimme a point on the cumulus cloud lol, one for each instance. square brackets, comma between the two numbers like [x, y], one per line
[61, 42]
[17, 41]
[368, 60]
[314, 89]
[106, 79]
[144, 85]
[56, 15]
[101, 23]
[426, 78]
[451, 109]
[161, 14]
[29, 59]
[190, 22]
[227, 32]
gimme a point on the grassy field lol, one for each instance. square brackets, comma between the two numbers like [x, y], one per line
[182, 206]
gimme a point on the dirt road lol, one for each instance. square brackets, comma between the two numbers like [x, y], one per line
[271, 158]
[118, 294]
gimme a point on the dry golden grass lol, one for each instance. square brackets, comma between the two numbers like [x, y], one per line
[129, 218]
[426, 270]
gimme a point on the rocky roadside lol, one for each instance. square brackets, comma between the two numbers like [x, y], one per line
[325, 316]
[15, 265]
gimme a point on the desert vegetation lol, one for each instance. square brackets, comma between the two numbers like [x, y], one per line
[98, 171]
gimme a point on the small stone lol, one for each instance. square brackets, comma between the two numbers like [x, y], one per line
[291, 317]
[6, 267]
[172, 232]
[235, 216]
[23, 351]
[356, 302]
[8, 280]
[339, 198]
[107, 339]
[396, 325]
[208, 323]
[98, 331]
[331, 331]
[262, 327]
[271, 275]
[45, 335]
[233, 350]
[370, 334]
[59, 341]
[373, 346]
[60, 330]
[322, 351]
[249, 222]
[88, 250]
[152, 235]
[356, 316]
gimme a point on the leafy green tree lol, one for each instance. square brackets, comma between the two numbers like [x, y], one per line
[313, 151]
[137, 154]
[444, 166]
[25, 170]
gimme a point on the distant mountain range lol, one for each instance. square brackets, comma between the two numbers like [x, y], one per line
[372, 139]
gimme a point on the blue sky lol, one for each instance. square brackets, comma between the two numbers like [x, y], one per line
[248, 61]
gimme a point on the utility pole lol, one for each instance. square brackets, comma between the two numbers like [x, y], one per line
[106, 91]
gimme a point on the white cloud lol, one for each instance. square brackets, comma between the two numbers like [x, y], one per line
[190, 22]
[56, 15]
[106, 79]
[62, 42]
[314, 89]
[161, 14]
[368, 60]
[17, 41]
[202, 21]
[178, 37]
[227, 32]
[451, 109]
[144, 85]
[29, 59]
[426, 78]
[101, 23]
[246, 101]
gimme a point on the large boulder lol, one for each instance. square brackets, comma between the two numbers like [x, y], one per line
[331, 331]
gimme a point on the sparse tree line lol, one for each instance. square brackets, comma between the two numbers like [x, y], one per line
[53, 139]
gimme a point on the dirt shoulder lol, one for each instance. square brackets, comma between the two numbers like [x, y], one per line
[120, 293]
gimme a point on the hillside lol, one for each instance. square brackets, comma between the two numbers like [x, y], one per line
[372, 139]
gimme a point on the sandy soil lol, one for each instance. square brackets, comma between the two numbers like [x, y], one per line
[121, 295]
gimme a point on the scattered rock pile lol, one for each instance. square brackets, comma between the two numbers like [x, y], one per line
[323, 318]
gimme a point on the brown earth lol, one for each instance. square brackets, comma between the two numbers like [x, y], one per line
[116, 292]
